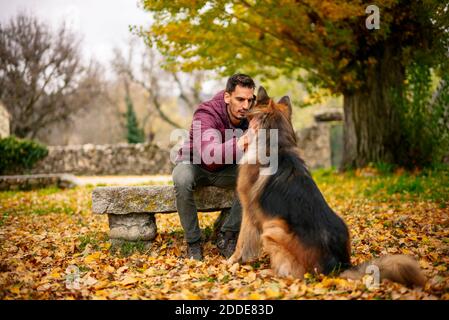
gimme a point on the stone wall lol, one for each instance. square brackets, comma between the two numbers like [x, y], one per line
[150, 159]
[4, 122]
[315, 140]
[112, 159]
[315, 146]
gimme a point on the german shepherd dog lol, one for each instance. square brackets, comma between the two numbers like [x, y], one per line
[286, 214]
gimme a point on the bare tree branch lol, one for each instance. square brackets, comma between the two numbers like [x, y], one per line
[42, 78]
[147, 81]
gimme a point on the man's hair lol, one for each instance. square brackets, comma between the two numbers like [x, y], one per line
[239, 79]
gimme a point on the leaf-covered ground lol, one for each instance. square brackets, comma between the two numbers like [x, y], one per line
[53, 247]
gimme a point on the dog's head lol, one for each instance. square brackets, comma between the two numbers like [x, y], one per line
[272, 124]
[270, 115]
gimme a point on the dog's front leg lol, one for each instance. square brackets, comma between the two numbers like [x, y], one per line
[237, 255]
[248, 243]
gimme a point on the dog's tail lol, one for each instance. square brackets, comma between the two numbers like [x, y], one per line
[398, 268]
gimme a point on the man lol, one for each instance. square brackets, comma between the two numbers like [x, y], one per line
[210, 157]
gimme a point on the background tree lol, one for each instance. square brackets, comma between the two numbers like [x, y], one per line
[328, 39]
[42, 78]
[134, 133]
[142, 67]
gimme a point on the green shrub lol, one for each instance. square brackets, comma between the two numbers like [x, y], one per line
[424, 115]
[18, 155]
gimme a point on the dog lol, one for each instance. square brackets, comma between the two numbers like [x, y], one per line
[286, 215]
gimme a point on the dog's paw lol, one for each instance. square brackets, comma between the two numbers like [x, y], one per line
[234, 268]
[232, 260]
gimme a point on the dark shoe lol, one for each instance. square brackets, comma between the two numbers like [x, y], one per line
[195, 250]
[226, 243]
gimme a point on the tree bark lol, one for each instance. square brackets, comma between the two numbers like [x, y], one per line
[372, 130]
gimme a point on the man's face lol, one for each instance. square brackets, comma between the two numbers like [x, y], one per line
[239, 101]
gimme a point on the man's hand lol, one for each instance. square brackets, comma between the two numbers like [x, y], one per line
[254, 124]
[244, 141]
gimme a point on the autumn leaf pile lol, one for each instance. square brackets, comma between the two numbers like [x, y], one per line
[53, 247]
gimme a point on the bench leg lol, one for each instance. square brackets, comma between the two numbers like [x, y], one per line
[132, 227]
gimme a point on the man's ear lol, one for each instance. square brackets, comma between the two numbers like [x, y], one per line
[227, 97]
[285, 100]
[262, 96]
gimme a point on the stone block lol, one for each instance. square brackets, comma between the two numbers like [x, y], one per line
[121, 200]
[132, 227]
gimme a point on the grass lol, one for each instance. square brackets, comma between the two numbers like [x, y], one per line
[3, 217]
[426, 185]
[44, 201]
[383, 181]
[94, 239]
[53, 209]
[128, 248]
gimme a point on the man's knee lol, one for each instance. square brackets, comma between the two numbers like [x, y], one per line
[183, 177]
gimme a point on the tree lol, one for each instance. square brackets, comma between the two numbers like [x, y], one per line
[158, 83]
[42, 78]
[134, 133]
[331, 40]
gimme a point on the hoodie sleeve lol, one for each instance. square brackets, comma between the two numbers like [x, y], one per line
[215, 150]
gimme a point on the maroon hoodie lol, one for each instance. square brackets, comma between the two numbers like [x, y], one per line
[207, 138]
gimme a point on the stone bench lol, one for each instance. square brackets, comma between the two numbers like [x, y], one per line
[131, 209]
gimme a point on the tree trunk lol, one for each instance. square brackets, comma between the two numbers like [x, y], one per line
[372, 130]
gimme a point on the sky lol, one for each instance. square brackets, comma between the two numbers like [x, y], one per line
[102, 24]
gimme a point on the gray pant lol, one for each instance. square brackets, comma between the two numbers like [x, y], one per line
[186, 177]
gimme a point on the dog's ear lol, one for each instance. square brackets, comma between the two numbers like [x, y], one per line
[285, 100]
[262, 96]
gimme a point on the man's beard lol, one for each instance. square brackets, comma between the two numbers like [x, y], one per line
[241, 115]
[238, 115]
